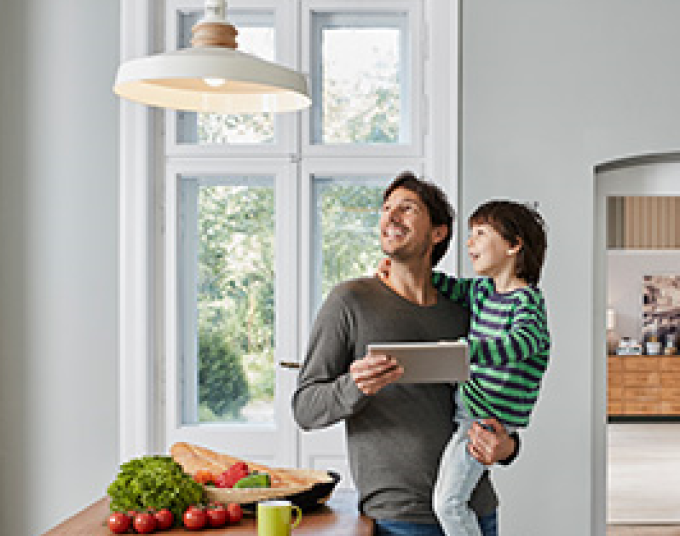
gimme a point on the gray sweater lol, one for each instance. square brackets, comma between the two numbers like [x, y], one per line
[395, 437]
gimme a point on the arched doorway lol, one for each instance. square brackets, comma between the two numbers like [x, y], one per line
[639, 477]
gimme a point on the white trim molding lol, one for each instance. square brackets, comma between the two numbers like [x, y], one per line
[135, 242]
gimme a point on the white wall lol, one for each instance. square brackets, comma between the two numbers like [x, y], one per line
[58, 259]
[549, 90]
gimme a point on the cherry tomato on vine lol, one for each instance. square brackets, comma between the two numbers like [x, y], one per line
[164, 519]
[119, 523]
[145, 523]
[217, 516]
[235, 513]
[195, 518]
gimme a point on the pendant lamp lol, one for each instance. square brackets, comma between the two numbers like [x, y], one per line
[212, 76]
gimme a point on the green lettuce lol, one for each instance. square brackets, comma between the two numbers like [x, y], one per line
[154, 482]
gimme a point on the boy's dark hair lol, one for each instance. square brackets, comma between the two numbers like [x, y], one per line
[438, 207]
[517, 223]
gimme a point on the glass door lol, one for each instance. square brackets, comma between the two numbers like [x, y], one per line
[231, 235]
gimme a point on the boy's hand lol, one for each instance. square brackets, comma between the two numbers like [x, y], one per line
[384, 269]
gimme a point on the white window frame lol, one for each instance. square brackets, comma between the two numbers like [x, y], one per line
[137, 378]
[416, 100]
[286, 210]
[141, 319]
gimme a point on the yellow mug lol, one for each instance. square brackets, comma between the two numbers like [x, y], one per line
[275, 518]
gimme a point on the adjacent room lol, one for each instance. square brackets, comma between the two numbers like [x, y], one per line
[643, 325]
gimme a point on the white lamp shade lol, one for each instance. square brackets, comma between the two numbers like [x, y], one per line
[177, 80]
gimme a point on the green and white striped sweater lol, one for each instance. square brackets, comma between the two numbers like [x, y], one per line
[509, 347]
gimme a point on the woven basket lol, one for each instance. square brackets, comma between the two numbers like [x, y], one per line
[245, 496]
[317, 480]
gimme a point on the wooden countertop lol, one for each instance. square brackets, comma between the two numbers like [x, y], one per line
[339, 517]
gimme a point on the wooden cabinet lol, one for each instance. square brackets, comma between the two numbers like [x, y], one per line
[643, 385]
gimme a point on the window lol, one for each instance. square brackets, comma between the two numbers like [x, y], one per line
[365, 65]
[227, 284]
[361, 73]
[258, 216]
[345, 243]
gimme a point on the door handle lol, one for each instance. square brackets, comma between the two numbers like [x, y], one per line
[289, 364]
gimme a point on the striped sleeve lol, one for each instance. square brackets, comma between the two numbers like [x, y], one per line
[458, 289]
[528, 335]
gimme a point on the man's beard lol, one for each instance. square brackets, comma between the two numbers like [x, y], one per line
[405, 253]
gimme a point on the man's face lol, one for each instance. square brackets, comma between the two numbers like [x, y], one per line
[406, 232]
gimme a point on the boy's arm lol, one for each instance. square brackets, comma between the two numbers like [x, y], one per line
[528, 335]
[458, 289]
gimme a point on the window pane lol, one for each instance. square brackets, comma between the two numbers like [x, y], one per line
[255, 36]
[346, 230]
[228, 246]
[361, 79]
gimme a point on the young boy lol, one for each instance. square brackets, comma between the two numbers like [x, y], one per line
[508, 342]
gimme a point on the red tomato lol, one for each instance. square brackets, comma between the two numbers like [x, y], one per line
[232, 475]
[164, 519]
[195, 518]
[145, 523]
[217, 516]
[220, 481]
[119, 523]
[235, 513]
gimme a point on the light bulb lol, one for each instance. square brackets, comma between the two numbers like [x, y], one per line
[215, 82]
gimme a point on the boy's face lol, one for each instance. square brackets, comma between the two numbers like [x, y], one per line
[406, 231]
[489, 252]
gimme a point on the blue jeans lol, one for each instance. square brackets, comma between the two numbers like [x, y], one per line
[458, 476]
[488, 525]
[459, 473]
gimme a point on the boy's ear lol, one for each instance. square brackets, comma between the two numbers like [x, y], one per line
[514, 250]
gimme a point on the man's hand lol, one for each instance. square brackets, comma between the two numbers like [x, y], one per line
[490, 446]
[373, 372]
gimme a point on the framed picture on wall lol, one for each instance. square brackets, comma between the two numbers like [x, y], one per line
[661, 308]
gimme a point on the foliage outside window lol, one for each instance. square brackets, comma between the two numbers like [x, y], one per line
[235, 298]
[348, 245]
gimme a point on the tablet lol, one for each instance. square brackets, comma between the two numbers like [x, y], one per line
[428, 362]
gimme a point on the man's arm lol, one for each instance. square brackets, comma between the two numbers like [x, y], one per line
[326, 392]
[332, 385]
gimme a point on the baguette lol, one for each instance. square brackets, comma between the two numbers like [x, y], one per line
[193, 458]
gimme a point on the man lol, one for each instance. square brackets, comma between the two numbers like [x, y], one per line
[395, 432]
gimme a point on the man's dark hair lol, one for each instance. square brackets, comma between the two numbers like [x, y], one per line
[438, 207]
[517, 223]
